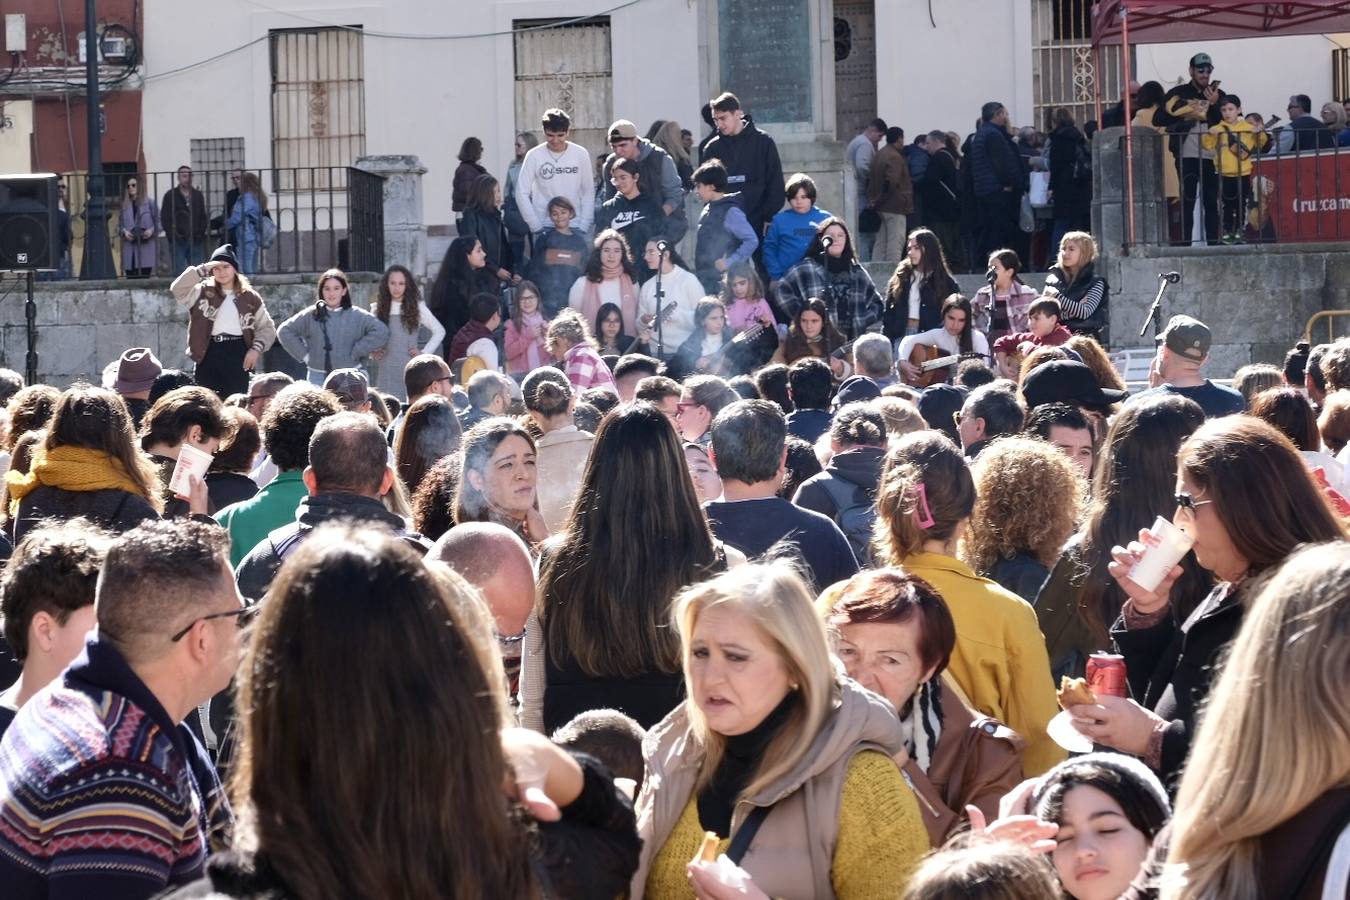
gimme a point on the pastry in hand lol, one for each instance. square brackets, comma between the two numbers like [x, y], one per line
[708, 852]
[1074, 692]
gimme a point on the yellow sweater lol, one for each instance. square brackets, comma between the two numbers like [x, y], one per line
[881, 837]
[1235, 144]
[1000, 660]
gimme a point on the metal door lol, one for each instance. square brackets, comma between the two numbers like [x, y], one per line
[855, 66]
[568, 67]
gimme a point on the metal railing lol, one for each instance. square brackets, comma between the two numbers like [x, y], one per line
[319, 217]
[1263, 187]
[1332, 317]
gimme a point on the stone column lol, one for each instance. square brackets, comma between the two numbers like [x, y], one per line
[405, 232]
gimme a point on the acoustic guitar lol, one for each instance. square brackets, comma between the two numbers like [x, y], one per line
[935, 365]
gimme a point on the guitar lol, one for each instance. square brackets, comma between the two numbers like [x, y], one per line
[711, 364]
[666, 312]
[933, 365]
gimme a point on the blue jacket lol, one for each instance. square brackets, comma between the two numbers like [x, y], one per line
[246, 218]
[788, 236]
[995, 162]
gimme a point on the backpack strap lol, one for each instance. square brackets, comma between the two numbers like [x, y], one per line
[285, 539]
[740, 841]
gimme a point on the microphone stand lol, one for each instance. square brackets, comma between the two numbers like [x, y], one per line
[660, 305]
[1155, 311]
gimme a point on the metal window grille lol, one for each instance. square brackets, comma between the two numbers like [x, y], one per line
[212, 159]
[1064, 66]
[318, 105]
[569, 67]
[1340, 74]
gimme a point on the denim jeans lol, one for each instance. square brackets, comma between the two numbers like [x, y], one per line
[187, 253]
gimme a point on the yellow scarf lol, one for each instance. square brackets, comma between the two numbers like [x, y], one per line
[70, 469]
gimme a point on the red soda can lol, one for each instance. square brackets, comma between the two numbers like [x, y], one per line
[1106, 675]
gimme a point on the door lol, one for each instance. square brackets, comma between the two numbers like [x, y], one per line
[855, 66]
[569, 67]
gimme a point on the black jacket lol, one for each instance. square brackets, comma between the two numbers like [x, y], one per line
[1178, 127]
[1076, 297]
[491, 233]
[225, 488]
[1171, 666]
[255, 573]
[591, 852]
[1073, 196]
[1311, 134]
[753, 169]
[114, 509]
[934, 289]
[939, 189]
[637, 220]
[685, 361]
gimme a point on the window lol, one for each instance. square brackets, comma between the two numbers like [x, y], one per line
[212, 160]
[318, 105]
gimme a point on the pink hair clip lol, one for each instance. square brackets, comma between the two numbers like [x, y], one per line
[922, 512]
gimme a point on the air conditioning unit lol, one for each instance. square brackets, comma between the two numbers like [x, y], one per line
[111, 48]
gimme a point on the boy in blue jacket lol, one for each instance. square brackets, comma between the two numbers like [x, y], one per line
[725, 236]
[791, 230]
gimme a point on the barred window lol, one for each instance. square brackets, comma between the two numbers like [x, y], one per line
[318, 104]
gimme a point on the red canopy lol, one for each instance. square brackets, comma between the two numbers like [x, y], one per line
[1170, 21]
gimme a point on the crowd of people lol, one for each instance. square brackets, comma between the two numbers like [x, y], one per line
[641, 584]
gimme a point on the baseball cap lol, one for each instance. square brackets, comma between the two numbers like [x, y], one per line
[136, 370]
[855, 389]
[1186, 337]
[350, 386]
[622, 130]
[1065, 381]
[1201, 59]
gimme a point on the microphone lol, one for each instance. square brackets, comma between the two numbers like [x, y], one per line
[662, 247]
[826, 241]
[991, 276]
[1169, 277]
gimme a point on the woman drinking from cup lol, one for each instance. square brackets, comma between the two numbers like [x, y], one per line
[1244, 500]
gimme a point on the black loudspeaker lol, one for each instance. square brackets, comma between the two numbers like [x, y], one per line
[28, 207]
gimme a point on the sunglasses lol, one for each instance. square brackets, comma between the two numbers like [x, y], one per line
[1204, 68]
[243, 614]
[1187, 502]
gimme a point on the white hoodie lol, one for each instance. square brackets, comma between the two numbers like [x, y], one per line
[544, 176]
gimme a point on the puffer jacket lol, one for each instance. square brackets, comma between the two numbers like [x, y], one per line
[805, 801]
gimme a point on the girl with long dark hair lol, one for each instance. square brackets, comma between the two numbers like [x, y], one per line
[831, 271]
[437, 709]
[1132, 485]
[918, 286]
[602, 635]
[430, 432]
[482, 219]
[812, 333]
[525, 332]
[610, 337]
[1001, 305]
[332, 334]
[610, 278]
[463, 273]
[399, 305]
[956, 336]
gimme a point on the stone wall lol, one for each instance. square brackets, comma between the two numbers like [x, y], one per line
[84, 325]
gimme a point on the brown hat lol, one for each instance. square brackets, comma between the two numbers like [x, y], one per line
[1186, 337]
[136, 371]
[350, 386]
[622, 130]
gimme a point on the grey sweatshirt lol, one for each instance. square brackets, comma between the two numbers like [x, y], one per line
[353, 333]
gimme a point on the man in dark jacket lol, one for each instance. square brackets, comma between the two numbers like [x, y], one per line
[1305, 131]
[998, 178]
[348, 474]
[1188, 111]
[846, 491]
[890, 191]
[183, 217]
[658, 178]
[751, 160]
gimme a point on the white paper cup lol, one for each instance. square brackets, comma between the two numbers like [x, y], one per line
[191, 461]
[1165, 549]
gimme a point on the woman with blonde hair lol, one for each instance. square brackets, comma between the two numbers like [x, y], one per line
[924, 505]
[1278, 726]
[1082, 293]
[772, 751]
[668, 139]
[1028, 496]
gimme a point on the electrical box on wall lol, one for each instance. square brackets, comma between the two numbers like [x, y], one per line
[16, 32]
[109, 48]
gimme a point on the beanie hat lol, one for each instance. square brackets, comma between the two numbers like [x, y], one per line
[225, 253]
[1127, 767]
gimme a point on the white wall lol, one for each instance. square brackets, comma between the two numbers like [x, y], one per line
[1263, 72]
[940, 77]
[423, 97]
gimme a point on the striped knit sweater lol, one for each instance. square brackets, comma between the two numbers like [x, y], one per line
[101, 795]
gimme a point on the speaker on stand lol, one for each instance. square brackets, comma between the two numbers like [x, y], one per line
[28, 205]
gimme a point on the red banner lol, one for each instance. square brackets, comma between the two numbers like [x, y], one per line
[1304, 196]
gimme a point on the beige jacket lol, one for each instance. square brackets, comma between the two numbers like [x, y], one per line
[795, 844]
[561, 458]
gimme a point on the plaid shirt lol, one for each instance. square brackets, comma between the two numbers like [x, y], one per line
[585, 369]
[850, 296]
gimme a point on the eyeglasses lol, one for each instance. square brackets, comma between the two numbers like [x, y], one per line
[1204, 68]
[260, 398]
[244, 616]
[1187, 502]
[681, 406]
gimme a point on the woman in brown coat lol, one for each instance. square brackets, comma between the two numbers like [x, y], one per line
[894, 635]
